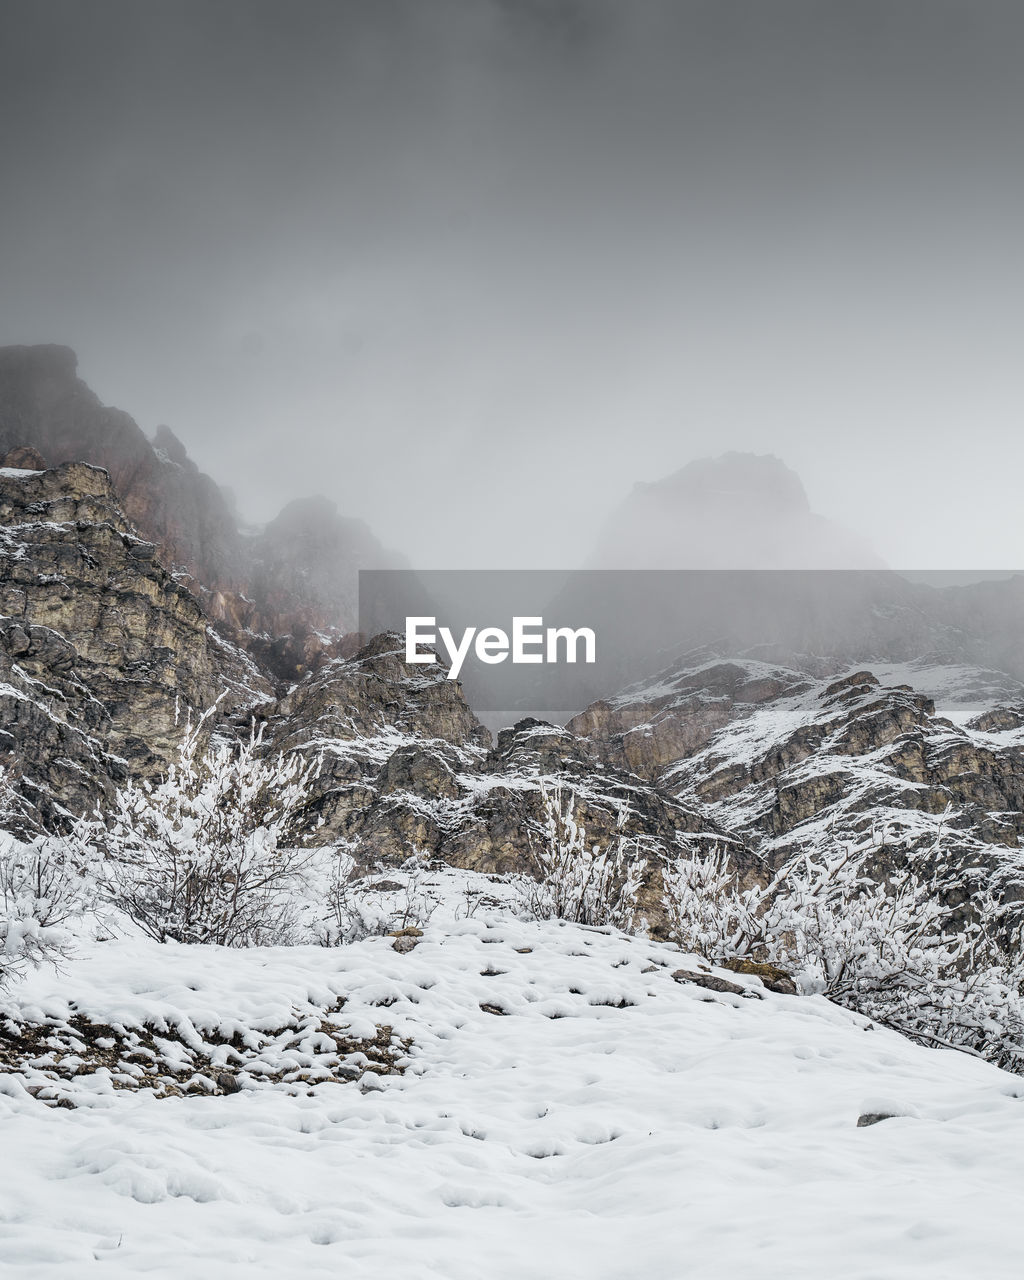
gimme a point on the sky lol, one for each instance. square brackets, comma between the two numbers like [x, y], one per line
[474, 267]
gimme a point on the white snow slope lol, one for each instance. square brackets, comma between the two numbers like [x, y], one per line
[685, 1136]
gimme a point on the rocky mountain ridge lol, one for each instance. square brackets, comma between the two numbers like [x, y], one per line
[792, 761]
[406, 768]
[104, 656]
[291, 587]
[103, 652]
[106, 649]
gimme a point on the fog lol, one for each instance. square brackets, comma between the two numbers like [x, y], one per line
[472, 268]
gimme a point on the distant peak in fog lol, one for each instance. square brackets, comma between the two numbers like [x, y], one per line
[760, 478]
[736, 511]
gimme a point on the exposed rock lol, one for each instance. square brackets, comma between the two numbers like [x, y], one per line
[999, 720]
[43, 404]
[24, 458]
[773, 977]
[407, 768]
[103, 654]
[405, 939]
[105, 648]
[376, 694]
[648, 728]
[293, 586]
[710, 982]
[805, 761]
[55, 1056]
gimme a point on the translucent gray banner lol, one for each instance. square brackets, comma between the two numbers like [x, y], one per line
[646, 622]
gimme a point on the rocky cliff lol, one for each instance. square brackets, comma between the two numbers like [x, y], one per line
[295, 579]
[792, 759]
[45, 405]
[106, 647]
[408, 767]
[103, 652]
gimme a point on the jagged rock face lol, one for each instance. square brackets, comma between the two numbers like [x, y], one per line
[668, 721]
[999, 720]
[374, 696]
[296, 579]
[737, 511]
[53, 729]
[506, 812]
[407, 767]
[43, 404]
[102, 651]
[791, 762]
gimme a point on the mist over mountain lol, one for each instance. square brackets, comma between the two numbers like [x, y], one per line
[736, 511]
[291, 579]
[512, 741]
[288, 591]
[43, 404]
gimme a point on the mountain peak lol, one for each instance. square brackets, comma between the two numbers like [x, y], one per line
[736, 511]
[761, 478]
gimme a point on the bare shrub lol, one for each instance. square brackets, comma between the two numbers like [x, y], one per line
[201, 856]
[886, 949]
[578, 881]
[356, 908]
[46, 882]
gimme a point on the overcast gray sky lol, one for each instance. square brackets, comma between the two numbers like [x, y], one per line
[472, 267]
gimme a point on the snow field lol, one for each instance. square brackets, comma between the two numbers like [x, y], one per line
[540, 1129]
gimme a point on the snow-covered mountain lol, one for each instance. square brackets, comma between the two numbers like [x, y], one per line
[929, 759]
[475, 1070]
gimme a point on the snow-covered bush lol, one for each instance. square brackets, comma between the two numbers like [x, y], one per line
[45, 883]
[578, 881]
[708, 913]
[356, 908]
[201, 855]
[887, 949]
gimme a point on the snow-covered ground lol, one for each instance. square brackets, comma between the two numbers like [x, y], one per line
[567, 1109]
